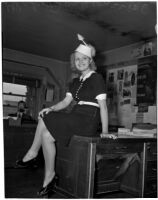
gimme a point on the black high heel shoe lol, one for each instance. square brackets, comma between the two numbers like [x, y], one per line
[48, 188]
[28, 164]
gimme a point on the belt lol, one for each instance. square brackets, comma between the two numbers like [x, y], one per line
[88, 103]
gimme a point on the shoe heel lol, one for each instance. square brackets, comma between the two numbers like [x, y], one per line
[45, 191]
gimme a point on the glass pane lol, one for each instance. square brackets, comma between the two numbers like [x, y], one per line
[14, 88]
[10, 101]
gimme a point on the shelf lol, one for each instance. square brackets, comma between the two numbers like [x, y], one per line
[11, 106]
[12, 94]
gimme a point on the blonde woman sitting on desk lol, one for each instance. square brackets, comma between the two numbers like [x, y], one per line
[89, 93]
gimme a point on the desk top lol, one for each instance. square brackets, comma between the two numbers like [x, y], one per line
[123, 138]
[136, 137]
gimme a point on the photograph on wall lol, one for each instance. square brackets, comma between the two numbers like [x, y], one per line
[127, 101]
[126, 93]
[127, 81]
[137, 52]
[120, 74]
[120, 86]
[147, 49]
[111, 77]
[133, 78]
[143, 108]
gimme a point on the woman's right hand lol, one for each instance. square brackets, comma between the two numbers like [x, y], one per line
[106, 135]
[44, 111]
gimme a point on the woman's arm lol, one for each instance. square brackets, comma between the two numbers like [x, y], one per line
[62, 104]
[59, 106]
[104, 120]
[103, 115]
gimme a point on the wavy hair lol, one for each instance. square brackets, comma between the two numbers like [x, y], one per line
[92, 65]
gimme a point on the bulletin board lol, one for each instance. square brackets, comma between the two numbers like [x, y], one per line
[121, 90]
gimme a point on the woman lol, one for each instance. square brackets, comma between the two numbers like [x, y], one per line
[89, 94]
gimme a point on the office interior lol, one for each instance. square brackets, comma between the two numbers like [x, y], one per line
[38, 39]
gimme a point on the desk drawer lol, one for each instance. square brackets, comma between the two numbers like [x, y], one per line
[151, 151]
[152, 169]
[119, 148]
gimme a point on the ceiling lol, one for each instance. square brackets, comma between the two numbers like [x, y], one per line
[50, 29]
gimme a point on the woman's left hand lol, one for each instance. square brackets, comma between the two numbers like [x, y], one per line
[106, 135]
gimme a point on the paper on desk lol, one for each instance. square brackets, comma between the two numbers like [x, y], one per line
[123, 132]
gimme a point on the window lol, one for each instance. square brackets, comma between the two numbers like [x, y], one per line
[12, 94]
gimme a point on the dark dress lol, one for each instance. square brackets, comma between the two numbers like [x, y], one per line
[83, 119]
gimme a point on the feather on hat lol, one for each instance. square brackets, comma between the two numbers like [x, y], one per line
[86, 49]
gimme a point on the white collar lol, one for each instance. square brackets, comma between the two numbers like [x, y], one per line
[87, 75]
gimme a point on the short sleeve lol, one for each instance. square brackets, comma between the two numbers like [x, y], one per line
[69, 94]
[101, 97]
[71, 87]
[99, 87]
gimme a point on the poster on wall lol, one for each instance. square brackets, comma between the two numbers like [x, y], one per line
[146, 81]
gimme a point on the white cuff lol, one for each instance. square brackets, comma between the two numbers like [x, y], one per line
[68, 94]
[101, 97]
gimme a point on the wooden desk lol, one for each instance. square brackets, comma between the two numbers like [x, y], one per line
[90, 166]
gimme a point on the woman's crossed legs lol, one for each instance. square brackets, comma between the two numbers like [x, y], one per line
[43, 138]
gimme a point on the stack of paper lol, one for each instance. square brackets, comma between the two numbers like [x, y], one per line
[145, 132]
[123, 130]
[140, 130]
[145, 129]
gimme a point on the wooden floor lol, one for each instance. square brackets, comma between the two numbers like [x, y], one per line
[24, 183]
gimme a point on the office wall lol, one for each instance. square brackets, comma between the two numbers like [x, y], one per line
[122, 105]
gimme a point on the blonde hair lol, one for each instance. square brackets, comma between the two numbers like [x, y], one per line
[92, 65]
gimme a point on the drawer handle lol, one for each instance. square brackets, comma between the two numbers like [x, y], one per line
[154, 153]
[119, 148]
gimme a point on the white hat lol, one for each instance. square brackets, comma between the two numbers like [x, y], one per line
[84, 50]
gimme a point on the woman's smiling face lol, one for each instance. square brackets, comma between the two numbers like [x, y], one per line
[82, 61]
